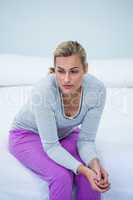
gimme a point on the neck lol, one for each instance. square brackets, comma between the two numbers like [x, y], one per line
[74, 94]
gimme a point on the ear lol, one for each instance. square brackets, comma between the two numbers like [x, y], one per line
[86, 68]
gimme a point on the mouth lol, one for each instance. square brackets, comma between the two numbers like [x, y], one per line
[67, 86]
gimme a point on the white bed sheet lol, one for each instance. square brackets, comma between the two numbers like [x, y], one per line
[114, 144]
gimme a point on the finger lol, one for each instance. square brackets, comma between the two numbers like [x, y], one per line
[107, 189]
[102, 184]
[96, 188]
[99, 189]
[98, 174]
[104, 187]
[104, 176]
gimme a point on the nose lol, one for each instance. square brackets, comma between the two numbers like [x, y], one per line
[67, 78]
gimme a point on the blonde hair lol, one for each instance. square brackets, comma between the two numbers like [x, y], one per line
[69, 48]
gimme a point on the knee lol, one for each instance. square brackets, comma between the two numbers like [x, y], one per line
[61, 185]
[64, 177]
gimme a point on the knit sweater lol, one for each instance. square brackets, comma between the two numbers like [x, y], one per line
[44, 114]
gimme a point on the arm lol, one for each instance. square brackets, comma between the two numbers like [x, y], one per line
[46, 123]
[86, 141]
[96, 174]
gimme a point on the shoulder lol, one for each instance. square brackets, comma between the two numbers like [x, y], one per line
[92, 82]
[95, 90]
[45, 84]
[45, 88]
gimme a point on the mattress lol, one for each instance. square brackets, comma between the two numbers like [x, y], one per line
[114, 144]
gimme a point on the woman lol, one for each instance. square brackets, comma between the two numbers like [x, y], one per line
[45, 134]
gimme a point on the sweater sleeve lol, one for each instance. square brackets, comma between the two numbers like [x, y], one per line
[46, 124]
[86, 140]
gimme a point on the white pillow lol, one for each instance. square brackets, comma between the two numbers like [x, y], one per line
[114, 73]
[116, 125]
[22, 70]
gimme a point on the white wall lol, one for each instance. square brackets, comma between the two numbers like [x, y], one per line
[35, 27]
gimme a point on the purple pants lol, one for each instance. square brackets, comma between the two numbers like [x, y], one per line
[26, 146]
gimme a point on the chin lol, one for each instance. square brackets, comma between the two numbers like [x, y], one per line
[66, 91]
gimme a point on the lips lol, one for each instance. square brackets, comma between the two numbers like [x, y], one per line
[67, 86]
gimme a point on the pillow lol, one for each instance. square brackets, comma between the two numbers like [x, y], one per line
[114, 73]
[22, 70]
[116, 125]
[25, 70]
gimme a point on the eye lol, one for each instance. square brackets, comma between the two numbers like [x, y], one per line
[60, 71]
[74, 71]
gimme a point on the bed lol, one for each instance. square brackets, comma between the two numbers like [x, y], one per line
[114, 138]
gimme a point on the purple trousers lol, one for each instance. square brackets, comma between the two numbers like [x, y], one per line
[26, 146]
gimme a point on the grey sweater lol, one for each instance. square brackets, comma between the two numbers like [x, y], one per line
[44, 114]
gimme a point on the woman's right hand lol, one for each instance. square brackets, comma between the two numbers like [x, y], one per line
[95, 184]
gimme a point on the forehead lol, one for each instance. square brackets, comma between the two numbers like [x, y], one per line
[69, 61]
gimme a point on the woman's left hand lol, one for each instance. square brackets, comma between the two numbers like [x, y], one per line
[102, 175]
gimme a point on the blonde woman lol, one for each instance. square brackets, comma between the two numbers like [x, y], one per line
[45, 135]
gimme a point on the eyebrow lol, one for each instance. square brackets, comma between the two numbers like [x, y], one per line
[70, 69]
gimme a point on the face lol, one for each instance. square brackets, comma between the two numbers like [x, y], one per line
[69, 73]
